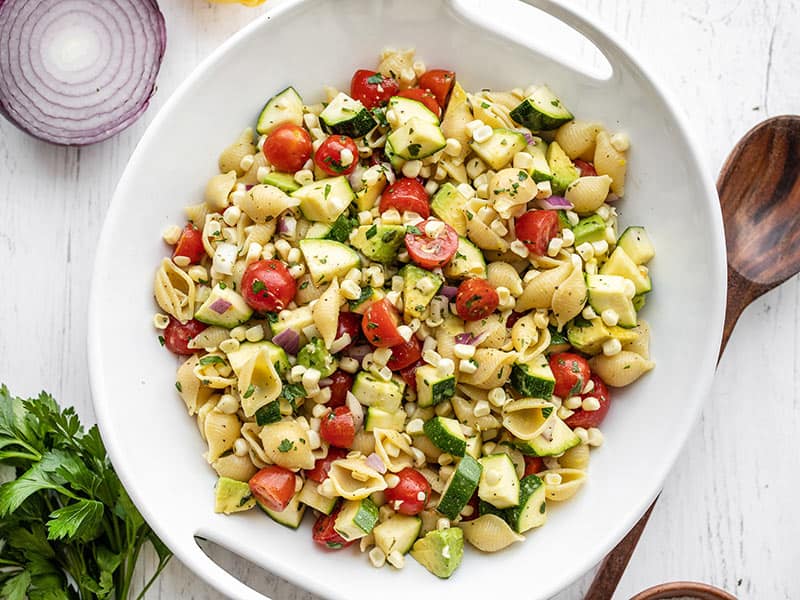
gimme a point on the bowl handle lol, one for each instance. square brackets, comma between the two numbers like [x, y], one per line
[202, 564]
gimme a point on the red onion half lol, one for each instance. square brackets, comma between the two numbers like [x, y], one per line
[76, 72]
[289, 340]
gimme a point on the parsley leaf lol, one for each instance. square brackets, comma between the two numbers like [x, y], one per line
[285, 445]
[375, 79]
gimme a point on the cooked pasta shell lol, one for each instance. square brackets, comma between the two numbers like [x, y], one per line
[326, 313]
[503, 274]
[525, 334]
[231, 157]
[240, 468]
[455, 169]
[363, 442]
[354, 479]
[286, 444]
[428, 448]
[490, 112]
[446, 335]
[210, 338]
[610, 161]
[571, 481]
[193, 394]
[263, 203]
[621, 369]
[473, 393]
[528, 417]
[214, 371]
[492, 328]
[251, 432]
[307, 291]
[259, 383]
[570, 295]
[221, 431]
[454, 124]
[260, 233]
[576, 457]
[577, 138]
[251, 176]
[203, 411]
[510, 189]
[587, 194]
[394, 449]
[508, 100]
[217, 190]
[196, 214]
[174, 291]
[398, 64]
[489, 533]
[484, 236]
[538, 292]
[494, 368]
[640, 345]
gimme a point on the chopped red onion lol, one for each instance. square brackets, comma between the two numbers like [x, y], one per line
[220, 306]
[358, 352]
[287, 226]
[389, 172]
[355, 178]
[79, 72]
[554, 203]
[289, 340]
[529, 139]
[469, 339]
[375, 461]
[449, 291]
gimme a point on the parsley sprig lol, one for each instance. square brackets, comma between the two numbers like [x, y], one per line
[68, 529]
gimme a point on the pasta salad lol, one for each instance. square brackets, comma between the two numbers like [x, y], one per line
[401, 309]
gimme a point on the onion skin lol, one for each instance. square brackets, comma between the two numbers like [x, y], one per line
[78, 73]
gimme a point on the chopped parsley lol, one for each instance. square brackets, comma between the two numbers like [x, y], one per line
[370, 233]
[327, 190]
[258, 286]
[375, 79]
[212, 359]
[413, 149]
[484, 105]
[413, 229]
[250, 391]
[161, 340]
[285, 445]
[178, 386]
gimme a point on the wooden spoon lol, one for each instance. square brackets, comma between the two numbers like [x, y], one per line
[759, 192]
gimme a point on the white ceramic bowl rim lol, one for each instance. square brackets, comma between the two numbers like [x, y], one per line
[182, 542]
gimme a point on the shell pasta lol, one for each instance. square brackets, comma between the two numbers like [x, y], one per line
[399, 308]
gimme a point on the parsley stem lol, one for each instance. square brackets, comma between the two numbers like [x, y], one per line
[161, 566]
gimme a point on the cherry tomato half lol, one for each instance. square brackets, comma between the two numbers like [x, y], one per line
[592, 418]
[177, 335]
[349, 323]
[323, 465]
[533, 465]
[328, 156]
[288, 147]
[406, 194]
[536, 228]
[425, 97]
[571, 372]
[267, 285]
[380, 324]
[338, 427]
[341, 383]
[405, 354]
[409, 374]
[405, 496]
[190, 244]
[273, 486]
[476, 299]
[586, 168]
[372, 89]
[440, 82]
[431, 252]
[324, 534]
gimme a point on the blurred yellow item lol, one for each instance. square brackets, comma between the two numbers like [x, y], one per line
[245, 2]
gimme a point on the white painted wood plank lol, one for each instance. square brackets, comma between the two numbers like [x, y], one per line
[726, 513]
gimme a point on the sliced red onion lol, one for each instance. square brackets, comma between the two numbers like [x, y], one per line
[355, 178]
[220, 306]
[449, 291]
[528, 137]
[287, 226]
[78, 72]
[375, 461]
[358, 352]
[469, 339]
[289, 340]
[554, 203]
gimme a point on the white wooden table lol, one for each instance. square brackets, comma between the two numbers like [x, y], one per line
[727, 515]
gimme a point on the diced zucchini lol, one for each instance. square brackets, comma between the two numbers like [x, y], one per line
[467, 262]
[532, 509]
[440, 551]
[318, 231]
[325, 199]
[588, 336]
[559, 439]
[224, 308]
[283, 181]
[327, 259]
[615, 293]
[284, 107]
[367, 196]
[540, 170]
[589, 229]
[367, 297]
[356, 519]
[269, 413]
[417, 139]
[541, 111]
[370, 391]
[295, 319]
[314, 355]
[500, 148]
[394, 159]
[377, 418]
[564, 172]
[636, 243]
[459, 488]
[311, 497]
[291, 516]
[397, 533]
[446, 435]
[475, 446]
[448, 204]
[533, 379]
[419, 288]
[619, 263]
[405, 109]
[432, 387]
[341, 228]
[232, 496]
[639, 301]
[499, 485]
[346, 116]
[379, 242]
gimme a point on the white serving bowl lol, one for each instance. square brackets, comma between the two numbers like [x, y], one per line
[156, 447]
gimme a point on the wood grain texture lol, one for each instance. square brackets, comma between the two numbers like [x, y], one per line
[726, 514]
